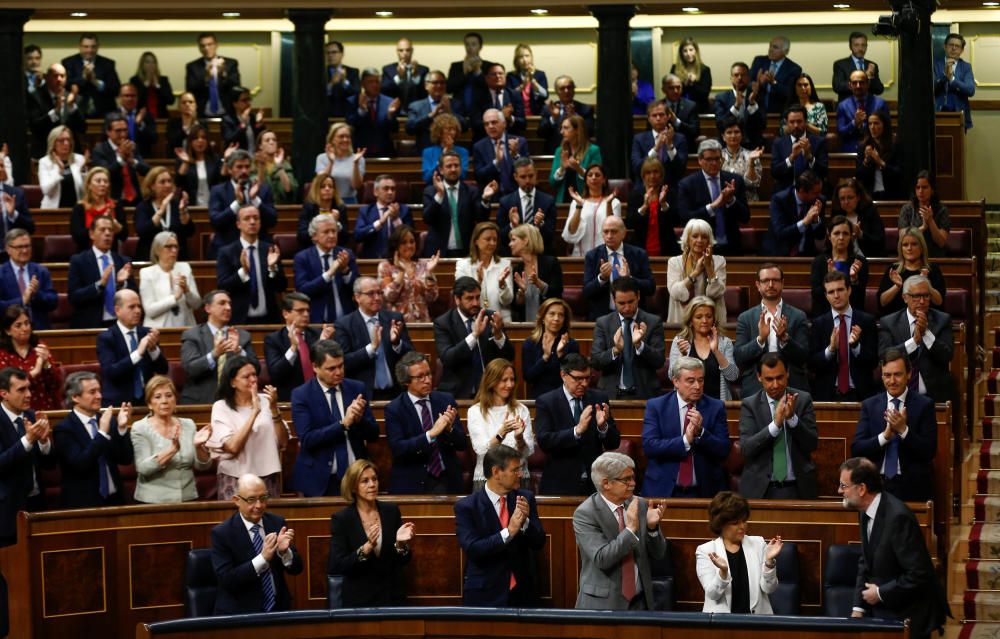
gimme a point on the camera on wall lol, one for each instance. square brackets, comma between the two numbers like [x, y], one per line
[905, 18]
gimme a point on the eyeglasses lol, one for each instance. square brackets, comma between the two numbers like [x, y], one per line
[18, 247]
[422, 376]
[770, 280]
[254, 499]
[579, 379]
[625, 480]
[918, 296]
[171, 246]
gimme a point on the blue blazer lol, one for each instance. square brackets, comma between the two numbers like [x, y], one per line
[375, 136]
[784, 175]
[85, 295]
[78, 462]
[227, 265]
[375, 244]
[320, 435]
[45, 300]
[850, 135]
[117, 369]
[430, 161]
[223, 220]
[547, 228]
[104, 70]
[783, 90]
[336, 96]
[599, 295]
[418, 120]
[483, 154]
[17, 466]
[537, 100]
[954, 95]
[662, 441]
[352, 335]
[491, 562]
[410, 449]
[783, 233]
[23, 220]
[674, 169]
[309, 280]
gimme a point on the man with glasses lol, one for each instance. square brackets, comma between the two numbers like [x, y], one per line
[251, 552]
[120, 156]
[924, 334]
[740, 102]
[716, 196]
[618, 535]
[421, 112]
[496, 95]
[556, 111]
[342, 81]
[574, 425]
[287, 349]
[25, 282]
[954, 82]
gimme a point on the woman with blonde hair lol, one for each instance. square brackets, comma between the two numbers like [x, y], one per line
[322, 198]
[549, 341]
[537, 276]
[60, 171]
[496, 417]
[161, 209]
[702, 337]
[489, 269]
[167, 287]
[272, 167]
[696, 271]
[155, 92]
[696, 76]
[530, 82]
[444, 131]
[340, 160]
[96, 202]
[913, 260]
[572, 158]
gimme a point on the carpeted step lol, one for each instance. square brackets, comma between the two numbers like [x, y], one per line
[982, 605]
[991, 402]
[977, 630]
[982, 574]
[990, 428]
[984, 541]
[988, 481]
[989, 455]
[986, 509]
[993, 381]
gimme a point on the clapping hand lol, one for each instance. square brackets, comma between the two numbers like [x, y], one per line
[202, 435]
[720, 563]
[773, 548]
[654, 514]
[285, 538]
[404, 533]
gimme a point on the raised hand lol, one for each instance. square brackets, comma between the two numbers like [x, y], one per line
[285, 537]
[721, 564]
[571, 191]
[404, 533]
[202, 435]
[654, 514]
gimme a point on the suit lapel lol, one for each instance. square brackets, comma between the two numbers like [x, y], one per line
[609, 525]
[877, 526]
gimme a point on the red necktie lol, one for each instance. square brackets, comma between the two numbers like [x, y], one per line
[128, 189]
[653, 229]
[307, 369]
[504, 520]
[685, 477]
[628, 563]
[843, 367]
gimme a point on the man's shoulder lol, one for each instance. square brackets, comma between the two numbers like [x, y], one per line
[549, 397]
[441, 398]
[193, 332]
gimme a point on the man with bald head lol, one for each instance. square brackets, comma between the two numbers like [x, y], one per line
[52, 105]
[404, 79]
[494, 155]
[606, 263]
[252, 575]
[128, 352]
[853, 112]
[775, 75]
[562, 107]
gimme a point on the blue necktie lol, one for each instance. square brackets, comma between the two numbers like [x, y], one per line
[435, 464]
[254, 290]
[213, 93]
[138, 383]
[382, 378]
[109, 290]
[892, 450]
[333, 285]
[102, 464]
[266, 584]
[615, 266]
[341, 451]
[131, 126]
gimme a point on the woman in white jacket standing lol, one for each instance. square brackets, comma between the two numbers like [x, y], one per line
[737, 571]
[167, 288]
[60, 171]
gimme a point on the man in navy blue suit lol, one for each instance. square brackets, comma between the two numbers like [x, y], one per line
[420, 113]
[211, 78]
[25, 282]
[342, 81]
[741, 103]
[661, 142]
[334, 421]
[605, 263]
[373, 116]
[499, 530]
[796, 227]
[94, 76]
[897, 431]
[376, 221]
[251, 552]
[556, 111]
[140, 123]
[286, 350]
[129, 353]
[90, 448]
[326, 272]
[404, 79]
[496, 95]
[250, 270]
[853, 112]
[716, 196]
[526, 205]
[797, 151]
[494, 155]
[94, 277]
[120, 156]
[843, 346]
[682, 113]
[14, 213]
[424, 433]
[452, 209]
[373, 340]
[775, 75]
[226, 199]
[685, 437]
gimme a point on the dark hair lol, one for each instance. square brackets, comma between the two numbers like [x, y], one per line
[935, 200]
[73, 385]
[398, 235]
[192, 135]
[112, 117]
[955, 36]
[448, 154]
[855, 35]
[769, 265]
[883, 144]
[494, 65]
[206, 34]
[836, 276]
[402, 369]
[739, 64]
[813, 96]
[524, 160]
[605, 188]
[336, 42]
[236, 92]
[728, 122]
[11, 315]
[11, 372]
[807, 180]
[892, 355]
[473, 34]
[793, 108]
[725, 508]
[626, 284]
[838, 220]
[90, 35]
[573, 362]
[324, 348]
[498, 457]
[210, 296]
[863, 471]
[770, 360]
[287, 303]
[465, 284]
[864, 200]
[225, 390]
[31, 48]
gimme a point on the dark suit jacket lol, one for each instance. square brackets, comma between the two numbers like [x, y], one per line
[352, 335]
[78, 462]
[784, 175]
[757, 445]
[673, 169]
[662, 441]
[226, 266]
[103, 101]
[196, 81]
[449, 339]
[795, 351]
[23, 220]
[164, 94]
[39, 105]
[85, 294]
[687, 112]
[753, 123]
[378, 581]
[104, 155]
[201, 378]
[117, 369]
[568, 458]
[309, 280]
[18, 467]
[842, 70]
[645, 364]
[598, 294]
[483, 157]
[320, 435]
[240, 590]
[176, 136]
[783, 234]
[783, 89]
[146, 231]
[337, 95]
[80, 232]
[376, 136]
[491, 562]
[311, 210]
[437, 217]
[543, 202]
[818, 271]
[541, 376]
[549, 272]
[892, 182]
[537, 100]
[407, 92]
[223, 218]
[188, 182]
[897, 561]
[693, 196]
[45, 300]
[548, 127]
[233, 130]
[375, 243]
[145, 131]
[418, 120]
[463, 86]
[284, 376]
[666, 220]
[411, 450]
[934, 363]
[861, 365]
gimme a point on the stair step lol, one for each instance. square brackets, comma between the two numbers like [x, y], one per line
[983, 542]
[981, 605]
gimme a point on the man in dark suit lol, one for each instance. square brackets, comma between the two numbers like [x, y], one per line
[226, 199]
[326, 272]
[796, 152]
[373, 116]
[843, 68]
[499, 530]
[777, 437]
[90, 448]
[129, 353]
[526, 205]
[250, 270]
[342, 81]
[251, 552]
[741, 103]
[574, 425]
[495, 154]
[53, 105]
[628, 346]
[897, 431]
[404, 79]
[662, 142]
[424, 432]
[94, 277]
[373, 340]
[25, 282]
[334, 422]
[286, 350]
[452, 209]
[119, 155]
[924, 334]
[614, 259]
[896, 577]
[558, 110]
[466, 75]
[843, 346]
[25, 445]
[716, 196]
[14, 213]
[853, 112]
[681, 112]
[205, 347]
[242, 125]
[421, 112]
[211, 77]
[141, 125]
[775, 75]
[796, 227]
[771, 326]
[94, 77]
[684, 437]
[467, 338]
[376, 221]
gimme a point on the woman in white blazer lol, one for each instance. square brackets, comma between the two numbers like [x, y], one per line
[737, 571]
[489, 269]
[696, 272]
[167, 288]
[60, 171]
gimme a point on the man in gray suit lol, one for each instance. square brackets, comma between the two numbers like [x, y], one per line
[774, 326]
[617, 534]
[628, 346]
[205, 347]
[777, 436]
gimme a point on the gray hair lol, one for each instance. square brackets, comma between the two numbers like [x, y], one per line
[157, 245]
[73, 385]
[402, 368]
[697, 226]
[370, 71]
[322, 218]
[361, 281]
[13, 234]
[609, 466]
[786, 44]
[914, 280]
[709, 145]
[685, 364]
[670, 77]
[236, 156]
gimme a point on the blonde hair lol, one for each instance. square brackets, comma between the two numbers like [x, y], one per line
[349, 484]
[911, 231]
[694, 227]
[680, 65]
[580, 142]
[492, 375]
[317, 184]
[155, 382]
[336, 127]
[442, 122]
[692, 307]
[91, 174]
[531, 236]
[150, 180]
[54, 135]
[539, 330]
